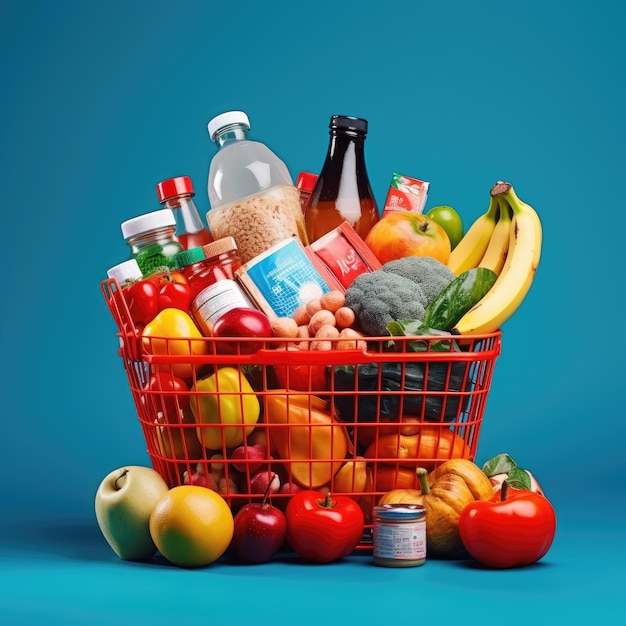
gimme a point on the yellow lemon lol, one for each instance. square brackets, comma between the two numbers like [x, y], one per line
[191, 526]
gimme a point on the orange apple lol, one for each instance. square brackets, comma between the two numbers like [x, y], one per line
[406, 233]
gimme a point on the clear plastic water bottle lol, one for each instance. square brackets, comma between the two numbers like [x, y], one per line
[251, 192]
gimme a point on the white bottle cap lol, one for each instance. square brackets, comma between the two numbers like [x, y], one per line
[147, 222]
[127, 270]
[226, 119]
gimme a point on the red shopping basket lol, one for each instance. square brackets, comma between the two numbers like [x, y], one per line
[357, 422]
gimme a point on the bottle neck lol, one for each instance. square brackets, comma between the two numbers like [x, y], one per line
[230, 134]
[187, 216]
[342, 141]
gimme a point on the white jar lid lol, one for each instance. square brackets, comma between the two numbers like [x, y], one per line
[127, 270]
[149, 221]
[226, 119]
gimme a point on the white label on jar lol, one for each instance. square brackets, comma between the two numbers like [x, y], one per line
[406, 541]
[214, 300]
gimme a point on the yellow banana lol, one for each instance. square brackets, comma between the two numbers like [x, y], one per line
[518, 272]
[471, 249]
[498, 247]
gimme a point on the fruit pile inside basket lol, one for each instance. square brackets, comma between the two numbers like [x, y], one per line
[269, 430]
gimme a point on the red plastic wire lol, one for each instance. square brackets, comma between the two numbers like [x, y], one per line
[175, 444]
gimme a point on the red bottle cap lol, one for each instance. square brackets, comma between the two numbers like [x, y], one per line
[173, 187]
[306, 181]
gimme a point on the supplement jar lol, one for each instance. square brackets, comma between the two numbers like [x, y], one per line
[399, 535]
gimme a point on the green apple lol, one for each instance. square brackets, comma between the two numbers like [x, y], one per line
[124, 501]
[449, 220]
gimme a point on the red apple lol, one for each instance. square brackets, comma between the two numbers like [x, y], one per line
[264, 481]
[406, 233]
[241, 322]
[260, 531]
[251, 458]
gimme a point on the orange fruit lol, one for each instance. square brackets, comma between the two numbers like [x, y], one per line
[191, 526]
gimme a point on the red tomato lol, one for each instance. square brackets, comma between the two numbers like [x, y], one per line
[142, 301]
[174, 295]
[323, 528]
[241, 322]
[515, 528]
[168, 398]
[301, 377]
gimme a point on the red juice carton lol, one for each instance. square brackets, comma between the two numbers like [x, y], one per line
[345, 254]
[406, 194]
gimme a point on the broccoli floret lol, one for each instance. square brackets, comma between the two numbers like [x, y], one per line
[430, 274]
[379, 297]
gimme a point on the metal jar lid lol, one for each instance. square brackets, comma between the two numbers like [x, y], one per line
[400, 511]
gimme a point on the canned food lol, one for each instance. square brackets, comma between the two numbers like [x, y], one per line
[399, 535]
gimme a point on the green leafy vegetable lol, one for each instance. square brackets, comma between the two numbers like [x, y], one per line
[458, 297]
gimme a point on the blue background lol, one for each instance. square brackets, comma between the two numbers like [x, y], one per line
[102, 100]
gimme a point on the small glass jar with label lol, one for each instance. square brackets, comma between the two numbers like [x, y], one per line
[399, 535]
[210, 272]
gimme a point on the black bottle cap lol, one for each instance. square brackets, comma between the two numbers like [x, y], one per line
[349, 123]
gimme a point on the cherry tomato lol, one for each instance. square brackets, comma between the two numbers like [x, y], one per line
[323, 528]
[241, 322]
[516, 527]
[169, 276]
[142, 301]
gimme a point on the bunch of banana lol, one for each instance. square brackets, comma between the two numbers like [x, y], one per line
[506, 239]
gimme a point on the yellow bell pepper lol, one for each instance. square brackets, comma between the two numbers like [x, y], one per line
[173, 332]
[302, 432]
[226, 402]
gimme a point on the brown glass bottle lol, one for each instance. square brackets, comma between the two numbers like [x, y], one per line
[343, 191]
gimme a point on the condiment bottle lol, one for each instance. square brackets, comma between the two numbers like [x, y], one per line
[251, 192]
[343, 191]
[177, 194]
[210, 273]
[152, 240]
[305, 183]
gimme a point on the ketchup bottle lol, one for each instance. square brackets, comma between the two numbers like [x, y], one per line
[177, 194]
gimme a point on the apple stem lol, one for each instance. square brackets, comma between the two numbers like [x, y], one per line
[118, 486]
[267, 489]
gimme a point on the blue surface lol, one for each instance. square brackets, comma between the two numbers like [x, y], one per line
[100, 101]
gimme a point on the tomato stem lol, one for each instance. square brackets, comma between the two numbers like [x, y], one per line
[327, 502]
[504, 490]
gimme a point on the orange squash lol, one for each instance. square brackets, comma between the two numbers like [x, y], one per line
[305, 436]
[427, 448]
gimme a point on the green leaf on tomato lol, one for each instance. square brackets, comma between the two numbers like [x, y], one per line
[499, 464]
[519, 478]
